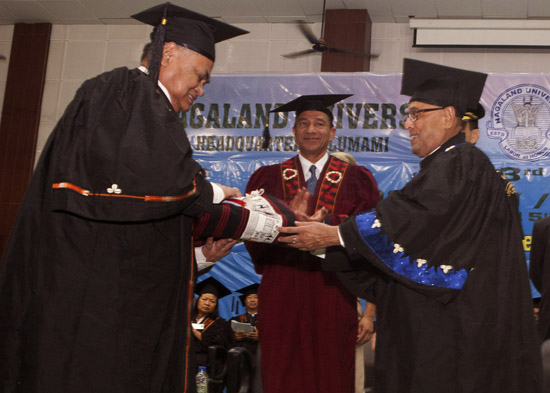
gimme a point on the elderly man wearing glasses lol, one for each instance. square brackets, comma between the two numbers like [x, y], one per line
[453, 303]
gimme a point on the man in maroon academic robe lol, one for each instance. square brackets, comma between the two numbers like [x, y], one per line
[309, 321]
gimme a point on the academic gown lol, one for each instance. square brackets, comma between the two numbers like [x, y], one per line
[216, 332]
[454, 311]
[96, 279]
[308, 324]
[252, 347]
[540, 274]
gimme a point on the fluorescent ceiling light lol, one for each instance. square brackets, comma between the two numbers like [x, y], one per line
[480, 32]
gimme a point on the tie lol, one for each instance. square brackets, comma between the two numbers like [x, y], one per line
[312, 181]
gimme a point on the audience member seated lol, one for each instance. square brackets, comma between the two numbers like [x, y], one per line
[249, 340]
[208, 328]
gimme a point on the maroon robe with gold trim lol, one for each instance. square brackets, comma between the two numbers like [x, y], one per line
[309, 321]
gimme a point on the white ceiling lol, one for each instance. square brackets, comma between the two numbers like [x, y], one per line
[261, 11]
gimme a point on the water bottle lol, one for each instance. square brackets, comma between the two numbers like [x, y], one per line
[202, 380]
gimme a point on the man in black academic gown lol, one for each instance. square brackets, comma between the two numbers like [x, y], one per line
[250, 340]
[540, 273]
[540, 276]
[96, 281]
[453, 300]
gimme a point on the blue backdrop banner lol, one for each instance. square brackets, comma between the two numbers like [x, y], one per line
[225, 129]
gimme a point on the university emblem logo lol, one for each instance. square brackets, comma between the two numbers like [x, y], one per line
[520, 119]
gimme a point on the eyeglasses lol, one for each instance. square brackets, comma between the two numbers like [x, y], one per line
[413, 113]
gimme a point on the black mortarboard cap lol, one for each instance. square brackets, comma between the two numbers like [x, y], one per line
[474, 114]
[248, 290]
[196, 31]
[441, 85]
[213, 286]
[317, 102]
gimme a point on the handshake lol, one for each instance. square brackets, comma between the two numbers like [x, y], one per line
[254, 217]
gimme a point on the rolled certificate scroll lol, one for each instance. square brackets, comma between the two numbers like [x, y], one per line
[254, 217]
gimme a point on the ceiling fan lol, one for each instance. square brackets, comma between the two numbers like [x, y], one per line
[319, 44]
